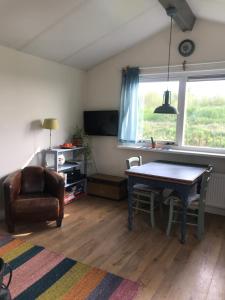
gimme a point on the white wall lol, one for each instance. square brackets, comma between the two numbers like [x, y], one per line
[32, 89]
[104, 83]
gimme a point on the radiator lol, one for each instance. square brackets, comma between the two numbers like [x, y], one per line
[216, 191]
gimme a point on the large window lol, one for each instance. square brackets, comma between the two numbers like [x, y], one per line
[201, 104]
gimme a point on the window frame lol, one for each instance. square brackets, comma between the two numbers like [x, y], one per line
[182, 77]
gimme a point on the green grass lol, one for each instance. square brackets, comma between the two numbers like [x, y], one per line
[205, 121]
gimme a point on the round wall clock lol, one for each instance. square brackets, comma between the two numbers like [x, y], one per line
[186, 47]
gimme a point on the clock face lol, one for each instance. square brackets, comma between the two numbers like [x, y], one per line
[186, 47]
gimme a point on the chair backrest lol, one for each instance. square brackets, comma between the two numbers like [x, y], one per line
[33, 180]
[205, 183]
[134, 161]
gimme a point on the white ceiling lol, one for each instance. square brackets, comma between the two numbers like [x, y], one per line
[82, 33]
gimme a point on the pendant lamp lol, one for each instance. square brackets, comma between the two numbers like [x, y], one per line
[166, 107]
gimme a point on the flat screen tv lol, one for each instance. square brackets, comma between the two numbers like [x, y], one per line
[101, 122]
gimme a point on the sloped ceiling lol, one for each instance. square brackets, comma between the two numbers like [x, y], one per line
[82, 33]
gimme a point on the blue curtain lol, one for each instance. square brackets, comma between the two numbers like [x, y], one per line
[128, 121]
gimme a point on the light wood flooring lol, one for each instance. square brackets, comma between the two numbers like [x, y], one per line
[95, 232]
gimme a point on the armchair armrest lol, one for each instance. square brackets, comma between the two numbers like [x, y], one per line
[55, 186]
[11, 188]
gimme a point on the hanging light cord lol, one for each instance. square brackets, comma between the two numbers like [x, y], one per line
[171, 27]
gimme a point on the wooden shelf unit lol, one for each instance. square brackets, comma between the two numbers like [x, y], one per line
[79, 182]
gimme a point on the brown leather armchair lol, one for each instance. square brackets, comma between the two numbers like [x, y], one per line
[33, 194]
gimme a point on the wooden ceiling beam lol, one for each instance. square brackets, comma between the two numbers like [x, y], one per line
[184, 16]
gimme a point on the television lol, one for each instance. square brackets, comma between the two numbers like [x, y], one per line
[101, 122]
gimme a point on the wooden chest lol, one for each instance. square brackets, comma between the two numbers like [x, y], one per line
[107, 186]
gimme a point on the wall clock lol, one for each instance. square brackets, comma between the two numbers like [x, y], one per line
[186, 47]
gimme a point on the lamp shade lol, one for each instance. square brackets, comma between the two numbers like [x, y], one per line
[166, 107]
[50, 124]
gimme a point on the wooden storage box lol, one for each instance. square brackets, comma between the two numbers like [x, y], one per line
[107, 186]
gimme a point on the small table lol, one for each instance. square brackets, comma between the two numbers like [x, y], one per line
[160, 174]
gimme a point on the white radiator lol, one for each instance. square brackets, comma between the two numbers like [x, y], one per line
[216, 191]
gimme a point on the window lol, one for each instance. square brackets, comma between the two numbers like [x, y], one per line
[201, 104]
[161, 127]
[205, 114]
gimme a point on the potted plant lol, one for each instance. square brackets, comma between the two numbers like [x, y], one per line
[78, 136]
[80, 139]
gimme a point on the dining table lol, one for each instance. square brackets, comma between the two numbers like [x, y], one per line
[179, 177]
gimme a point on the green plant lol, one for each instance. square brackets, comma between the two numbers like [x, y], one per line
[78, 133]
[86, 144]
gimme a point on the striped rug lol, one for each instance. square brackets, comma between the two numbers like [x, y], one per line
[42, 274]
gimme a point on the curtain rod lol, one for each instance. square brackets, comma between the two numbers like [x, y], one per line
[191, 64]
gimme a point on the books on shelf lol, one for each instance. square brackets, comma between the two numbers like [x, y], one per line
[68, 198]
[73, 193]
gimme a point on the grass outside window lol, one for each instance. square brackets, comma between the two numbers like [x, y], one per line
[202, 124]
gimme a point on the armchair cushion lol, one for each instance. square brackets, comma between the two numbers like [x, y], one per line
[45, 207]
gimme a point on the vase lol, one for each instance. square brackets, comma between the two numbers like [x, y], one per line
[61, 159]
[77, 142]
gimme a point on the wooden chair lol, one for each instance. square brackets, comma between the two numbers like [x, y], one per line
[196, 206]
[143, 196]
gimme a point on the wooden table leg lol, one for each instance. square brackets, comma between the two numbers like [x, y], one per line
[183, 227]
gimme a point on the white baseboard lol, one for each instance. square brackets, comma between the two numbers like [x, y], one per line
[215, 210]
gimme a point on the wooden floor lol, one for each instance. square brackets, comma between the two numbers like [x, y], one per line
[95, 232]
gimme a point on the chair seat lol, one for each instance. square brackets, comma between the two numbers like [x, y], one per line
[36, 206]
[193, 200]
[194, 204]
[145, 188]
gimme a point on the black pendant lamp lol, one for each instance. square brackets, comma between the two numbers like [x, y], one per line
[166, 107]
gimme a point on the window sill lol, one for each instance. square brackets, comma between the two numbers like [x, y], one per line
[171, 151]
